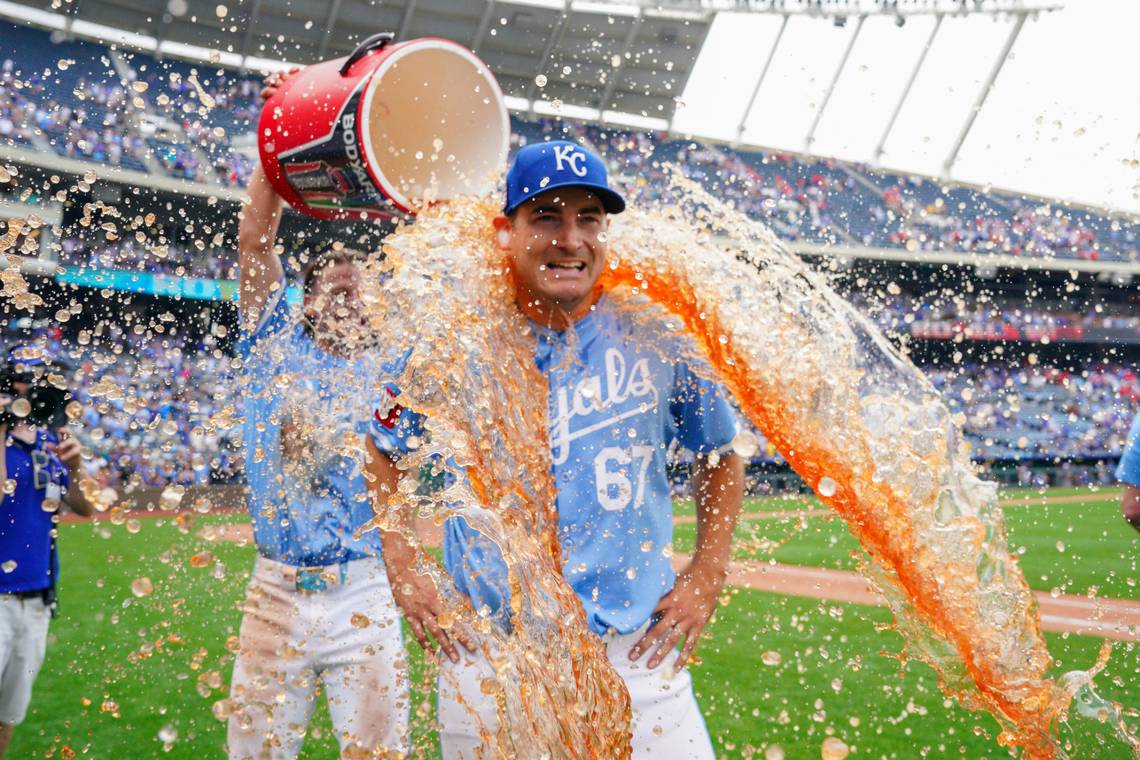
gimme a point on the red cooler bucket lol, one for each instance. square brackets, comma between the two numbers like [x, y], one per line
[385, 130]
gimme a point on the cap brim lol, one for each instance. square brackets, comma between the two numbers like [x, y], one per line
[611, 201]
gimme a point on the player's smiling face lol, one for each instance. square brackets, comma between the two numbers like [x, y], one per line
[557, 245]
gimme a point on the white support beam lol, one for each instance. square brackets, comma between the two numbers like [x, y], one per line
[484, 25]
[760, 79]
[831, 87]
[1011, 38]
[851, 8]
[906, 90]
[551, 43]
[406, 21]
[615, 74]
[330, 22]
[254, 14]
[706, 22]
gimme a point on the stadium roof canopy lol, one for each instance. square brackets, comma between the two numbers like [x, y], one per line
[1019, 94]
[588, 57]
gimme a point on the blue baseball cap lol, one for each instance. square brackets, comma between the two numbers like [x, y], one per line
[559, 163]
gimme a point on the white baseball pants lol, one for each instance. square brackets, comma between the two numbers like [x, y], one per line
[345, 638]
[667, 723]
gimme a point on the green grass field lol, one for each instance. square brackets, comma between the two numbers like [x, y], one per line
[122, 668]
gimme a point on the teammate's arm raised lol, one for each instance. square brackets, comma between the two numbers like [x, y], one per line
[415, 593]
[718, 489]
[259, 265]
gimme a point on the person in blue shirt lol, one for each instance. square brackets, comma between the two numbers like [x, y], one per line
[615, 404]
[319, 612]
[43, 465]
[1128, 473]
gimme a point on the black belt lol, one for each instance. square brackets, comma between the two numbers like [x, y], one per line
[27, 594]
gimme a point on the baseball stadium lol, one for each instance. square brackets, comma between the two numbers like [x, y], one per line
[335, 336]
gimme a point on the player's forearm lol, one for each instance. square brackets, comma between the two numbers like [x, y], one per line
[258, 263]
[383, 478]
[719, 493]
[1130, 505]
[75, 498]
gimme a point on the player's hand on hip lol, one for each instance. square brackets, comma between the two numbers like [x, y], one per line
[684, 611]
[418, 599]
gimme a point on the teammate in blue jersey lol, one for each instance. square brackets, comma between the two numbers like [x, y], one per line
[42, 463]
[1128, 473]
[615, 405]
[313, 583]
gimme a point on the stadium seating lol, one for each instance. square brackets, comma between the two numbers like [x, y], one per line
[83, 100]
[202, 108]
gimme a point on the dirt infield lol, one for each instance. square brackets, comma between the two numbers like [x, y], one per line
[1107, 618]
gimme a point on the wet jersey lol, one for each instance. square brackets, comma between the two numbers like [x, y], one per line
[301, 406]
[615, 406]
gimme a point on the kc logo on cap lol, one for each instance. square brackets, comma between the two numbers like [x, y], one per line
[541, 167]
[572, 155]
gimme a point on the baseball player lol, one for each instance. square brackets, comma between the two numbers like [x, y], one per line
[1128, 473]
[318, 611]
[615, 514]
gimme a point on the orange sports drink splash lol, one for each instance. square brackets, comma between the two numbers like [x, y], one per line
[859, 423]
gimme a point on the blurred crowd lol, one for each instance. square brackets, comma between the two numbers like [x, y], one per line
[150, 404]
[998, 319]
[161, 410]
[184, 120]
[168, 258]
[155, 410]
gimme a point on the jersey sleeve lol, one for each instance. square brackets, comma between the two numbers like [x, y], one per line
[274, 318]
[704, 419]
[1128, 470]
[394, 428]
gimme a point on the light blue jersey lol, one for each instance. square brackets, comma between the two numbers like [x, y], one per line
[1128, 471]
[306, 499]
[615, 406]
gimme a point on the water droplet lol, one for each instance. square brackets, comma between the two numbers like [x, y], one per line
[9, 566]
[74, 410]
[21, 408]
[221, 11]
[171, 497]
[774, 752]
[167, 734]
[771, 658]
[201, 559]
[540, 80]
[826, 487]
[141, 587]
[359, 620]
[746, 444]
[834, 748]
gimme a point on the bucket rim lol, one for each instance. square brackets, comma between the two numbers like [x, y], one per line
[394, 54]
